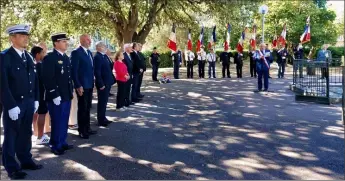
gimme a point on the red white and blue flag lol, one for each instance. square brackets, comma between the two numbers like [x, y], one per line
[201, 36]
[306, 34]
[189, 43]
[212, 39]
[274, 42]
[252, 41]
[172, 45]
[240, 41]
[282, 38]
[227, 41]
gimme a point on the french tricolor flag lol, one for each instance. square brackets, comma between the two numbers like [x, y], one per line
[306, 34]
[172, 39]
[227, 41]
[199, 43]
[252, 41]
[274, 42]
[282, 38]
[189, 43]
[213, 39]
[240, 41]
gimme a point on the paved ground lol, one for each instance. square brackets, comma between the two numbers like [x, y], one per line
[207, 129]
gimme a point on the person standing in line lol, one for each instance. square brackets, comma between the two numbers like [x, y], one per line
[298, 56]
[57, 81]
[262, 58]
[190, 63]
[281, 60]
[177, 59]
[252, 65]
[201, 62]
[129, 64]
[211, 59]
[83, 80]
[154, 62]
[122, 77]
[324, 56]
[138, 70]
[239, 64]
[104, 81]
[270, 62]
[141, 76]
[39, 121]
[111, 62]
[19, 97]
[225, 61]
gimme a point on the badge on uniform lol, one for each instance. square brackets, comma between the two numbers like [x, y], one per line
[35, 70]
[60, 61]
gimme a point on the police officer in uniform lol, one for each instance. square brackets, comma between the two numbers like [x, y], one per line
[281, 60]
[19, 96]
[225, 61]
[262, 58]
[298, 55]
[154, 61]
[239, 64]
[58, 83]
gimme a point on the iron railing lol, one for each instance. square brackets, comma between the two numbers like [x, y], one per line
[317, 81]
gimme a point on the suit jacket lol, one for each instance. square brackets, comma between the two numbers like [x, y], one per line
[299, 54]
[260, 63]
[82, 68]
[18, 78]
[225, 58]
[137, 62]
[143, 60]
[111, 63]
[103, 73]
[56, 76]
[129, 63]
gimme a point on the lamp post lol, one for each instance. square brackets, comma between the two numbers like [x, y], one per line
[263, 9]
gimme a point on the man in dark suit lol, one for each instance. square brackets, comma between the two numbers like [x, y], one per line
[19, 97]
[56, 74]
[104, 81]
[82, 74]
[129, 63]
[138, 69]
[141, 76]
[225, 60]
[111, 63]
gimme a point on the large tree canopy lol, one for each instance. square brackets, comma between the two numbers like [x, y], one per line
[141, 20]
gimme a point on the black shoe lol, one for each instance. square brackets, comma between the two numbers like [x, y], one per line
[132, 103]
[108, 122]
[67, 147]
[229, 77]
[141, 96]
[17, 175]
[103, 124]
[92, 132]
[111, 94]
[58, 152]
[135, 100]
[83, 136]
[32, 167]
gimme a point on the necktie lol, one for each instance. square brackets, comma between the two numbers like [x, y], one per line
[23, 57]
[88, 53]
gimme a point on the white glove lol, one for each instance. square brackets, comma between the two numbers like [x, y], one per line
[14, 113]
[57, 101]
[36, 106]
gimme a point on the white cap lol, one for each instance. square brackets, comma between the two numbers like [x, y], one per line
[20, 29]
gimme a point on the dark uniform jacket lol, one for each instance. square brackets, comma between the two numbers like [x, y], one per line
[281, 54]
[143, 59]
[225, 57]
[103, 73]
[129, 63]
[56, 75]
[82, 68]
[18, 78]
[138, 63]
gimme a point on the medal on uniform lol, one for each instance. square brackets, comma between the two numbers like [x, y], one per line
[62, 70]
[60, 62]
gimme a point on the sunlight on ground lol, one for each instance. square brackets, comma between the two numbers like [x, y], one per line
[87, 173]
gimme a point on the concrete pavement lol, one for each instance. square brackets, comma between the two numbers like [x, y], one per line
[207, 129]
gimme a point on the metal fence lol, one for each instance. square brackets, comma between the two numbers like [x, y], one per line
[317, 81]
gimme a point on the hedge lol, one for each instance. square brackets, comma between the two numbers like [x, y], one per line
[165, 58]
